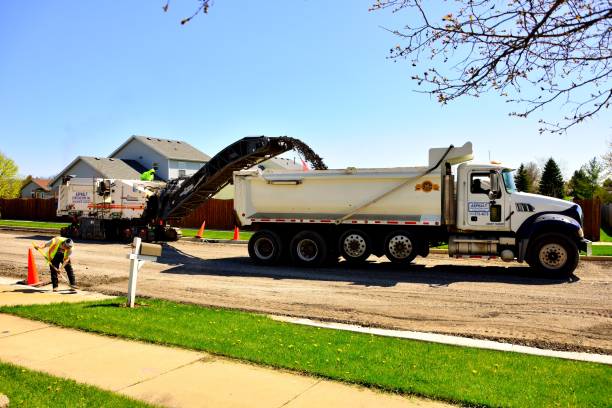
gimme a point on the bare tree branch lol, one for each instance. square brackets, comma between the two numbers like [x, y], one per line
[202, 8]
[531, 52]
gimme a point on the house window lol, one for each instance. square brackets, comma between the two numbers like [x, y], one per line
[182, 173]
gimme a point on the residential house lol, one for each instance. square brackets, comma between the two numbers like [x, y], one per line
[170, 158]
[99, 167]
[36, 188]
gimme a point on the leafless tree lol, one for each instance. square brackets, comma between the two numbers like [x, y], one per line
[532, 52]
[534, 174]
[203, 6]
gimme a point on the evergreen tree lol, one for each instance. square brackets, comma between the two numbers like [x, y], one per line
[584, 184]
[552, 184]
[579, 185]
[522, 179]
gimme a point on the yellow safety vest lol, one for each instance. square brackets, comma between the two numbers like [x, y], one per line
[54, 247]
[148, 175]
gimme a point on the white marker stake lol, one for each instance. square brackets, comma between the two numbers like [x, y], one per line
[136, 262]
[135, 265]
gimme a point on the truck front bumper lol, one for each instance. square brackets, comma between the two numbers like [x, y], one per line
[586, 246]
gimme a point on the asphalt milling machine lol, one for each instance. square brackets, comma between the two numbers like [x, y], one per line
[114, 209]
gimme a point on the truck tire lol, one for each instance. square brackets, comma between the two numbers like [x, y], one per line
[308, 248]
[554, 254]
[265, 247]
[400, 247]
[355, 246]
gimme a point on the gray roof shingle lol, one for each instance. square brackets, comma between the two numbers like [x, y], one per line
[108, 168]
[112, 168]
[172, 149]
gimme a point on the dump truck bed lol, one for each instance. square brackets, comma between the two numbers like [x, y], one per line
[329, 195]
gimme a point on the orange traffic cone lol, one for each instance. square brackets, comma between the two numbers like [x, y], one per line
[201, 230]
[32, 272]
[236, 234]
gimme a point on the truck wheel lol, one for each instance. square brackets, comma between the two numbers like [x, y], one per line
[308, 248]
[265, 247]
[554, 254]
[400, 247]
[355, 246]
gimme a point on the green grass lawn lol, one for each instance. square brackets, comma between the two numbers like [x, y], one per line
[600, 250]
[26, 388]
[455, 374]
[33, 224]
[187, 232]
[604, 237]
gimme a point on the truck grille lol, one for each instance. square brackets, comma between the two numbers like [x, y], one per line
[524, 207]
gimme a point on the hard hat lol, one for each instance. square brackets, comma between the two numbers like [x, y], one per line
[69, 243]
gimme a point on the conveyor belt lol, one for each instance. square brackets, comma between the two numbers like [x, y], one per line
[179, 199]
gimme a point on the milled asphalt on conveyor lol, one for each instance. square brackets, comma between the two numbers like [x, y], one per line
[450, 340]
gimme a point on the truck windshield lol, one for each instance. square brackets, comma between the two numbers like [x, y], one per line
[509, 181]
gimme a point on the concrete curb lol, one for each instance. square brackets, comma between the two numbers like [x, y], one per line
[596, 258]
[451, 340]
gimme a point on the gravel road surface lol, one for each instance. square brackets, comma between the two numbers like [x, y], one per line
[481, 299]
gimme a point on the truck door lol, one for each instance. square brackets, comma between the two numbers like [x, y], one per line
[485, 211]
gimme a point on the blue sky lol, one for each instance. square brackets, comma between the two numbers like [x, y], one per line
[78, 78]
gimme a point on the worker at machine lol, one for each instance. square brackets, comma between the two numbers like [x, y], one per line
[58, 255]
[148, 175]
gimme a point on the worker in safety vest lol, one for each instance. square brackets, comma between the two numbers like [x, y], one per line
[58, 255]
[148, 175]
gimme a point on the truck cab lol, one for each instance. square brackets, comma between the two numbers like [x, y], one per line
[545, 232]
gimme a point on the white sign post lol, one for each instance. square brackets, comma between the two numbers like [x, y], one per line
[136, 262]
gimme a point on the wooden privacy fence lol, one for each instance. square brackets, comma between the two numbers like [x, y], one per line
[34, 209]
[218, 214]
[592, 217]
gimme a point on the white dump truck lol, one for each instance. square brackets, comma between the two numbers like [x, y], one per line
[310, 216]
[111, 209]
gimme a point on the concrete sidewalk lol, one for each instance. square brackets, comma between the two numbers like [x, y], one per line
[167, 376]
[13, 294]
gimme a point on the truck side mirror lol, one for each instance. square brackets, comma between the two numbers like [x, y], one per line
[494, 183]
